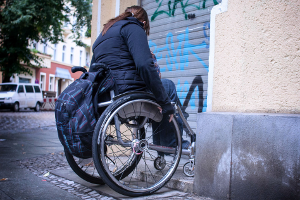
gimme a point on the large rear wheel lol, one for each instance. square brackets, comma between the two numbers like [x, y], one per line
[84, 168]
[125, 146]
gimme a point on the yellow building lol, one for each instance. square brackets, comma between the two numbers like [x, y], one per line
[235, 65]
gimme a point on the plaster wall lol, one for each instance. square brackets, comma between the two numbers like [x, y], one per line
[107, 11]
[126, 3]
[257, 57]
[247, 156]
[94, 24]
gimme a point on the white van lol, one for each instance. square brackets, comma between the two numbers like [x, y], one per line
[20, 95]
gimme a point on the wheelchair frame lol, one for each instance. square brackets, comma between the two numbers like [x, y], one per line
[188, 168]
[159, 162]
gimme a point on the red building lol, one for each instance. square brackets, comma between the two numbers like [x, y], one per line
[56, 78]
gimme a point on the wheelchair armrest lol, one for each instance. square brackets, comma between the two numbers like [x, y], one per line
[147, 94]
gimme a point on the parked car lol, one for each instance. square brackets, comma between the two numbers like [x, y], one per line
[20, 95]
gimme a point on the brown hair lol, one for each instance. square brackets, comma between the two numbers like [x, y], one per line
[133, 11]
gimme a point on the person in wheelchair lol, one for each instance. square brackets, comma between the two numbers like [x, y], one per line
[124, 144]
[123, 47]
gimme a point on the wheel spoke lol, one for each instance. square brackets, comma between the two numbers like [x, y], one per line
[130, 168]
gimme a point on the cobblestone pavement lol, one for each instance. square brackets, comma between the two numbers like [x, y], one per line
[42, 165]
[26, 120]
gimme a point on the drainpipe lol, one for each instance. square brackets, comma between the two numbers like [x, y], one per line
[99, 18]
[220, 8]
[117, 12]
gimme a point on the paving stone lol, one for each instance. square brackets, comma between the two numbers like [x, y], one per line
[20, 121]
[27, 120]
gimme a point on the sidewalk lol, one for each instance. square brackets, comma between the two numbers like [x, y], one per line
[33, 166]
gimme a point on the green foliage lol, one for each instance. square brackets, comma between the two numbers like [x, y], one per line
[25, 21]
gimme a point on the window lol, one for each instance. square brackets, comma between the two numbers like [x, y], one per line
[66, 23]
[80, 57]
[51, 82]
[20, 89]
[87, 59]
[54, 52]
[35, 45]
[24, 80]
[71, 55]
[63, 53]
[45, 48]
[8, 88]
[37, 89]
[29, 88]
[74, 19]
[42, 80]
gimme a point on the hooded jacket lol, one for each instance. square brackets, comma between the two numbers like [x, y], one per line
[124, 48]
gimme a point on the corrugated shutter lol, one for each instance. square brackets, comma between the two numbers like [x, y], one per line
[179, 37]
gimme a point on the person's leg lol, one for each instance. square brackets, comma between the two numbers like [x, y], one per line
[169, 137]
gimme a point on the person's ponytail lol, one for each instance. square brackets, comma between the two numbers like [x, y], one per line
[134, 11]
[114, 20]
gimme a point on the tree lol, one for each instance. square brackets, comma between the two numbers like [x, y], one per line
[25, 21]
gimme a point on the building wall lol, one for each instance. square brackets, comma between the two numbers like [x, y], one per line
[31, 78]
[94, 25]
[180, 39]
[51, 72]
[257, 57]
[247, 156]
[56, 52]
[126, 3]
[107, 10]
[251, 151]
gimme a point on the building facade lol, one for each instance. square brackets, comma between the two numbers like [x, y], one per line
[57, 60]
[235, 65]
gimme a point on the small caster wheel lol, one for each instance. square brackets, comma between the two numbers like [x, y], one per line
[159, 163]
[188, 169]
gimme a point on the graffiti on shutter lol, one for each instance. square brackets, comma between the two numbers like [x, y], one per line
[179, 37]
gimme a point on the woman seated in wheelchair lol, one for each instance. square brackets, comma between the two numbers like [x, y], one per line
[135, 128]
[123, 47]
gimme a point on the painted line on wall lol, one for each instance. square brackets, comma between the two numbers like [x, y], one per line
[99, 17]
[117, 12]
[220, 8]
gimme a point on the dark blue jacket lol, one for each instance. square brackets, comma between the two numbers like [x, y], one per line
[124, 48]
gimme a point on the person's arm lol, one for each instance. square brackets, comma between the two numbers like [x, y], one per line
[137, 43]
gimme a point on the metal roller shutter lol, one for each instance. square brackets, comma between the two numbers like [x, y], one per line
[179, 37]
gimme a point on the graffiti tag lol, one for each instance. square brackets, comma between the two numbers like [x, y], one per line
[178, 58]
[173, 4]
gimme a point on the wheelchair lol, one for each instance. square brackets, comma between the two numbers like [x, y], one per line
[131, 156]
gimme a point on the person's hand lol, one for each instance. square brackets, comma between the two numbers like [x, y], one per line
[171, 116]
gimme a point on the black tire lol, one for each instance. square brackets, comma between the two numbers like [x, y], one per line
[122, 166]
[87, 171]
[16, 107]
[37, 107]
